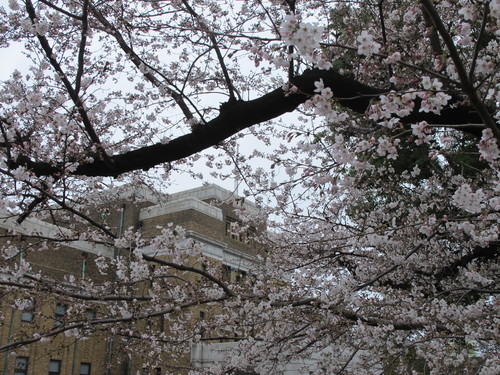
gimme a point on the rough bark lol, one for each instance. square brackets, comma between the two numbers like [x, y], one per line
[238, 115]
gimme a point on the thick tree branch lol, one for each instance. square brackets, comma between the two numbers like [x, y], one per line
[237, 116]
[479, 253]
[200, 272]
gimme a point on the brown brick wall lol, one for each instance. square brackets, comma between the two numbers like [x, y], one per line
[61, 261]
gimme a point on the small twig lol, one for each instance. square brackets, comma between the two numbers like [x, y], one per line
[200, 272]
[211, 36]
[384, 34]
[478, 43]
[349, 360]
[276, 28]
[137, 61]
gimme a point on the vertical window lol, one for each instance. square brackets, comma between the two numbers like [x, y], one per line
[202, 318]
[84, 264]
[232, 229]
[240, 276]
[84, 368]
[236, 230]
[21, 366]
[161, 323]
[90, 314]
[250, 234]
[28, 313]
[59, 314]
[228, 273]
[55, 367]
[158, 371]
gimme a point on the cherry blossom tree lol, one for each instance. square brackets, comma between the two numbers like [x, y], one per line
[381, 193]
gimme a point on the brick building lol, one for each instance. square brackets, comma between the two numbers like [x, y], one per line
[206, 213]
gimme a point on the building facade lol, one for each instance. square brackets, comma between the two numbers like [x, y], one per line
[207, 215]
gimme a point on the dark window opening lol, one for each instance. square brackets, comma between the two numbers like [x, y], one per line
[21, 366]
[59, 314]
[90, 314]
[84, 368]
[236, 231]
[55, 367]
[28, 314]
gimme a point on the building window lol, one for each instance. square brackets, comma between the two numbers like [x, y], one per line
[240, 276]
[158, 371]
[84, 368]
[250, 234]
[236, 231]
[28, 313]
[90, 314]
[59, 314]
[161, 323]
[232, 229]
[21, 366]
[55, 367]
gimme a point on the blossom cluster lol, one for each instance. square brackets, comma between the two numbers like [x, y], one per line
[488, 146]
[367, 45]
[422, 131]
[392, 104]
[306, 37]
[433, 99]
[469, 200]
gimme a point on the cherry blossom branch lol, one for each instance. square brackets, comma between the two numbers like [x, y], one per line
[399, 62]
[357, 317]
[477, 47]
[6, 143]
[391, 269]
[211, 36]
[237, 116]
[380, 6]
[466, 83]
[433, 36]
[47, 287]
[105, 321]
[490, 252]
[349, 360]
[49, 53]
[83, 43]
[275, 27]
[61, 10]
[139, 64]
[198, 271]
[53, 198]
